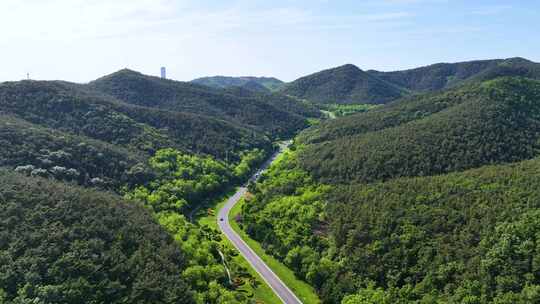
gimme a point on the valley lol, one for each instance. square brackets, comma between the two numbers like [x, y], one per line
[343, 186]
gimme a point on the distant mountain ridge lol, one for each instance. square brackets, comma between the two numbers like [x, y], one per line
[348, 84]
[255, 83]
[445, 75]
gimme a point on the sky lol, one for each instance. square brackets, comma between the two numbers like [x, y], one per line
[81, 40]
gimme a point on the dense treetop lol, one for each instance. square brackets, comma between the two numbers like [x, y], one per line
[41, 151]
[460, 238]
[63, 244]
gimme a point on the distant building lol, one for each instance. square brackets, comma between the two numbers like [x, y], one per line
[163, 72]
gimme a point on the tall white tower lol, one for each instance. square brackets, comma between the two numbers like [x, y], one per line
[163, 72]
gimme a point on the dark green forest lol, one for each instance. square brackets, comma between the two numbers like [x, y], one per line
[251, 111]
[64, 244]
[67, 108]
[492, 122]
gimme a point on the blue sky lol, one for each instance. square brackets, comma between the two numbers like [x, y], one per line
[80, 40]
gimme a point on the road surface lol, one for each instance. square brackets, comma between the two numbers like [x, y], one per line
[279, 288]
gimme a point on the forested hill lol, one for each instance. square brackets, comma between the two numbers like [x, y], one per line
[259, 114]
[464, 237]
[488, 123]
[62, 106]
[431, 199]
[221, 82]
[445, 75]
[61, 130]
[64, 244]
[350, 85]
[343, 85]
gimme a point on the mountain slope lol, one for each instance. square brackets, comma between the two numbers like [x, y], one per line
[445, 75]
[454, 238]
[343, 85]
[290, 104]
[255, 87]
[493, 122]
[64, 244]
[135, 88]
[222, 82]
[42, 151]
[66, 107]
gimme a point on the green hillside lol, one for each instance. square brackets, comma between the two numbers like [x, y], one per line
[221, 82]
[460, 238]
[57, 134]
[492, 122]
[63, 106]
[63, 244]
[255, 87]
[343, 85]
[466, 237]
[349, 85]
[135, 88]
[431, 199]
[290, 104]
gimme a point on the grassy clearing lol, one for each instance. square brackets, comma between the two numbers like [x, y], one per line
[340, 110]
[301, 289]
[262, 293]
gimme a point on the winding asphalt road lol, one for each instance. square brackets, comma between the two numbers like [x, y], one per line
[279, 288]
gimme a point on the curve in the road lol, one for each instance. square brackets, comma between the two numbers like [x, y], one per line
[279, 288]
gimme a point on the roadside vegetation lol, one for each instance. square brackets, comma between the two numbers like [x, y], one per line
[301, 289]
[186, 182]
